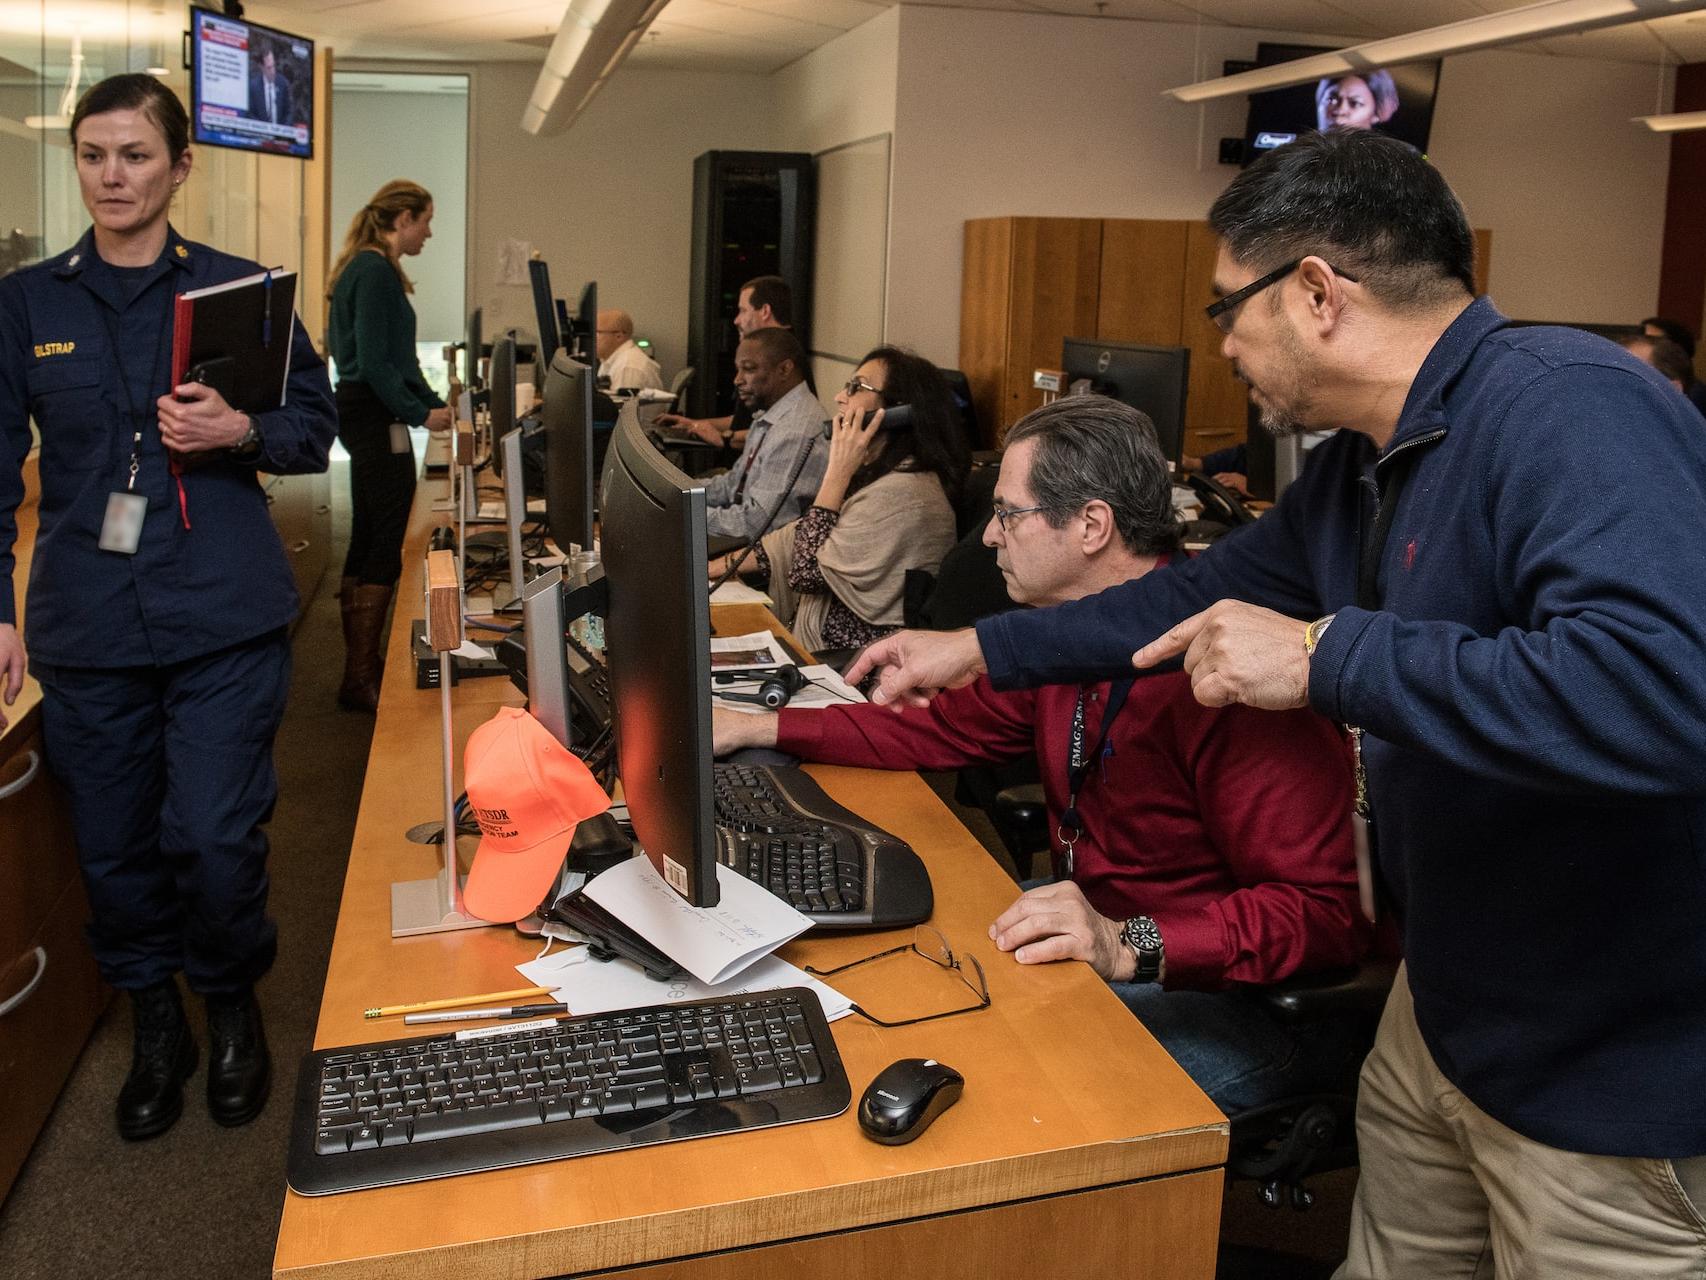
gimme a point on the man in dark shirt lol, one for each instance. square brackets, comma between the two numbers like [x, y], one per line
[1518, 629]
[764, 302]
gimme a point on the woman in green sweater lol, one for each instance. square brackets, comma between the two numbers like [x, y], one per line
[380, 392]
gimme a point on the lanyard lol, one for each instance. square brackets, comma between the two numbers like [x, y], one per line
[1078, 765]
[139, 412]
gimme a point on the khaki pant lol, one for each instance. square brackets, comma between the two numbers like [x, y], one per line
[1449, 1193]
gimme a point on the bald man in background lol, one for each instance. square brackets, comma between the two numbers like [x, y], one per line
[622, 366]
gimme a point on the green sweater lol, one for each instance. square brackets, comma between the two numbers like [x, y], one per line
[372, 337]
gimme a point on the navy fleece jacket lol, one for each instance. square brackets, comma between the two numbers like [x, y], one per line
[1533, 694]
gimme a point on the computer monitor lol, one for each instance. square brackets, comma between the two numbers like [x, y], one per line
[657, 630]
[1153, 379]
[471, 353]
[543, 625]
[569, 476]
[544, 309]
[515, 515]
[500, 404]
[586, 336]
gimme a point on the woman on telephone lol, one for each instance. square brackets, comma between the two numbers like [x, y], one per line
[838, 573]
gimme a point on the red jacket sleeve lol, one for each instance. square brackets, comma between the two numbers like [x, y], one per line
[973, 725]
[1275, 791]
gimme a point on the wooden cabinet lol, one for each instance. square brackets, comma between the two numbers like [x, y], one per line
[1031, 283]
[50, 994]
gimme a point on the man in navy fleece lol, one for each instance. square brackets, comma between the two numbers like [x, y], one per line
[1476, 573]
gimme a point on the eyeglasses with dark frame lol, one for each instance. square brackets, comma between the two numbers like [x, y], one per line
[856, 384]
[1222, 306]
[932, 946]
[1004, 514]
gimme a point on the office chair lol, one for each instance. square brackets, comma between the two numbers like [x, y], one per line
[1280, 1145]
[678, 384]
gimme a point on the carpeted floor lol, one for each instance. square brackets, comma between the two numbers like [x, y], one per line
[203, 1201]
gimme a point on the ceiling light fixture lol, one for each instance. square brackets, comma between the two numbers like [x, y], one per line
[1679, 122]
[1531, 22]
[594, 38]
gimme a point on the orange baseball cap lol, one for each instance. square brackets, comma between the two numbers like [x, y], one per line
[529, 793]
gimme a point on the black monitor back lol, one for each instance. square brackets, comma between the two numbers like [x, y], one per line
[566, 417]
[471, 353]
[657, 633]
[586, 335]
[544, 309]
[1153, 379]
[501, 403]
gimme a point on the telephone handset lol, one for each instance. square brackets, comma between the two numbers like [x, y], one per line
[895, 418]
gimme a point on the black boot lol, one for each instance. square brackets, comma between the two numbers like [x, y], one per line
[239, 1068]
[163, 1058]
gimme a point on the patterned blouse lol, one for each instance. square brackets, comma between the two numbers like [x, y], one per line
[842, 628]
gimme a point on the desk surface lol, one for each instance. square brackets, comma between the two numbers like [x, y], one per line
[1072, 1120]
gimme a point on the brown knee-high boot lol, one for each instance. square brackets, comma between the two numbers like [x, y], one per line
[364, 641]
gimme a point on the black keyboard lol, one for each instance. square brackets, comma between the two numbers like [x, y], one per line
[431, 1107]
[777, 827]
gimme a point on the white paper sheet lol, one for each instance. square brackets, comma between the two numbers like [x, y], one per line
[712, 943]
[755, 649]
[827, 689]
[734, 591]
[493, 508]
[596, 986]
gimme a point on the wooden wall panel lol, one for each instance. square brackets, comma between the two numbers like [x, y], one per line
[1143, 281]
[985, 286]
[1216, 413]
[1057, 276]
[1483, 259]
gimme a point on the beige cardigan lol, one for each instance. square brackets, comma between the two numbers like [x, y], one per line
[898, 522]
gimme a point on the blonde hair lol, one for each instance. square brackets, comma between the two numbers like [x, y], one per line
[368, 229]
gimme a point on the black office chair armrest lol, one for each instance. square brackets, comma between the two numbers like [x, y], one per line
[1024, 813]
[1336, 993]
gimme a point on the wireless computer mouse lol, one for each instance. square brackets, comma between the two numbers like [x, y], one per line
[905, 1097]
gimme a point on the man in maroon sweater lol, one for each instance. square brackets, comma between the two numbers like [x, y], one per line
[1213, 846]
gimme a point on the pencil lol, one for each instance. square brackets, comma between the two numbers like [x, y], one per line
[453, 1001]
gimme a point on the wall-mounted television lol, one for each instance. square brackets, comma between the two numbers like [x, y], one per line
[251, 87]
[1394, 100]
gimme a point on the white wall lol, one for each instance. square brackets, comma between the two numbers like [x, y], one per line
[1011, 113]
[1541, 151]
[612, 198]
[378, 136]
[840, 100]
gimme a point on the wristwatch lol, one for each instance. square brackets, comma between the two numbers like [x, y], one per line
[1142, 937]
[250, 444]
[1313, 632]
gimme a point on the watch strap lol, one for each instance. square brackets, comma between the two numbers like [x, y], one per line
[1142, 937]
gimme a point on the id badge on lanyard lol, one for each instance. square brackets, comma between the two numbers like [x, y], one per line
[121, 528]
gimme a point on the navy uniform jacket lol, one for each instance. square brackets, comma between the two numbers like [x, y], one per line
[86, 360]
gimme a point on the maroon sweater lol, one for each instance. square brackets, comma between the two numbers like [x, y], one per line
[1230, 827]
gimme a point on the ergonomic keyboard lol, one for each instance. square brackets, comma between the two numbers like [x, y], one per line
[777, 827]
[434, 1106]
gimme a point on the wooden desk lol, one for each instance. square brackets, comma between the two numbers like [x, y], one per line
[43, 911]
[1079, 1148]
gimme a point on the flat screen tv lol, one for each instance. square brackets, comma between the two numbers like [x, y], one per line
[1394, 100]
[251, 87]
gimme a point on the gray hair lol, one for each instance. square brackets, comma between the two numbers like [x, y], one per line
[1089, 447]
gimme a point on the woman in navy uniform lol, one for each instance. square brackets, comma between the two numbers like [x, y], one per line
[159, 601]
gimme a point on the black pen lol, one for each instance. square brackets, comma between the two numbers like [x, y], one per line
[511, 1011]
